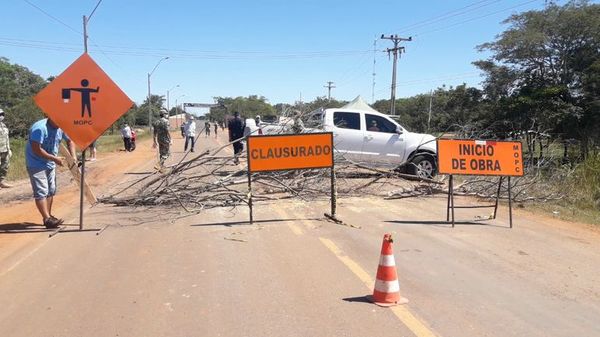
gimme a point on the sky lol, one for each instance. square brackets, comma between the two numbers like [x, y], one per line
[283, 50]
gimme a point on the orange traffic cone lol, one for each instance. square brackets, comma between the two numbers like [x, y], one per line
[387, 288]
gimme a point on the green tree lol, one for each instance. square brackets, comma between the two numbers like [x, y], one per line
[543, 70]
[17, 87]
[141, 113]
[248, 107]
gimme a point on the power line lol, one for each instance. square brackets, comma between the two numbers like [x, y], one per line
[200, 54]
[51, 16]
[450, 14]
[476, 18]
[93, 11]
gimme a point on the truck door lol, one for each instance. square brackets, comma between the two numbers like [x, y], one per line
[382, 143]
[348, 134]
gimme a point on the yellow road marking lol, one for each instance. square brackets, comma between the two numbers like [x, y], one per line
[413, 323]
[295, 229]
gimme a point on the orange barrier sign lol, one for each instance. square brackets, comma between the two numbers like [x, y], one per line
[83, 101]
[479, 157]
[290, 152]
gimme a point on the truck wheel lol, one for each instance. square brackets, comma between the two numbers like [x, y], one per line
[422, 166]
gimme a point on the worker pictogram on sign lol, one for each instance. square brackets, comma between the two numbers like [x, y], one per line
[83, 101]
[86, 98]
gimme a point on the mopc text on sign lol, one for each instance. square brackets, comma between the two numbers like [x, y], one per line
[479, 157]
[289, 152]
[83, 101]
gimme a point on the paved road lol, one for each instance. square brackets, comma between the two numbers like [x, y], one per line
[292, 274]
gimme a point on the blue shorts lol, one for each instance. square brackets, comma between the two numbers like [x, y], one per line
[43, 182]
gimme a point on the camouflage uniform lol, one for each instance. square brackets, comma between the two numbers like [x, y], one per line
[4, 151]
[163, 137]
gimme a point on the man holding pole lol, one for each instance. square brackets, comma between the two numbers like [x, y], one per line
[41, 157]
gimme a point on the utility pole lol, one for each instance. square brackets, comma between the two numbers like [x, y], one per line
[374, 64]
[430, 104]
[395, 51]
[329, 86]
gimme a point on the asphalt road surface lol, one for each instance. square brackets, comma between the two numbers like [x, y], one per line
[156, 272]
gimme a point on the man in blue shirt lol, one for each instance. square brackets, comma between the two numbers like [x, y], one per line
[41, 157]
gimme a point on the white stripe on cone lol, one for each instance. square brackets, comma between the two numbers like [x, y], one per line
[387, 261]
[387, 286]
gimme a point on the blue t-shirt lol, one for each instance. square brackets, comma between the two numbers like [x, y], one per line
[49, 137]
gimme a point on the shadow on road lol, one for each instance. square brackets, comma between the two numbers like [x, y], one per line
[238, 223]
[22, 227]
[442, 223]
[359, 299]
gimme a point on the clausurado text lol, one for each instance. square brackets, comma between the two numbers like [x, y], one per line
[290, 152]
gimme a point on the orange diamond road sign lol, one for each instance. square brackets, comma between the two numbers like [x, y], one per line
[83, 101]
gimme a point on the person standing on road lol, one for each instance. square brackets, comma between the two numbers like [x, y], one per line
[126, 134]
[190, 133]
[206, 128]
[93, 150]
[41, 158]
[162, 137]
[216, 129]
[236, 132]
[298, 126]
[257, 121]
[5, 152]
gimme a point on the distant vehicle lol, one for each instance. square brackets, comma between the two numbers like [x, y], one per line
[364, 135]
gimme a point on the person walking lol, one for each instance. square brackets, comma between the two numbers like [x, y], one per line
[126, 134]
[216, 129]
[41, 158]
[207, 128]
[5, 152]
[236, 132]
[190, 133]
[162, 138]
[257, 121]
[93, 150]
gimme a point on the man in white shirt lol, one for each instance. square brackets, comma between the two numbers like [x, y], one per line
[126, 133]
[190, 133]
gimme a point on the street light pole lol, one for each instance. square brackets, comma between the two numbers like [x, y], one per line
[149, 95]
[177, 110]
[168, 107]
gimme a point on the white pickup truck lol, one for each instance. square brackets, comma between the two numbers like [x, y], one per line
[368, 137]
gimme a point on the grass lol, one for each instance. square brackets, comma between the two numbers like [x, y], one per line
[106, 143]
[17, 168]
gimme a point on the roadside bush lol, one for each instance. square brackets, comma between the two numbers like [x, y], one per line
[584, 187]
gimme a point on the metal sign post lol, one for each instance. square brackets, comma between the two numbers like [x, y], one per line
[249, 187]
[81, 189]
[479, 157]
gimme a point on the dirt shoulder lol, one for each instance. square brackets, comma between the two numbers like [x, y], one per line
[20, 221]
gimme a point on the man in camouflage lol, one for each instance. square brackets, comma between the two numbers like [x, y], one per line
[162, 137]
[5, 152]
